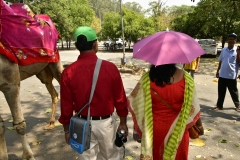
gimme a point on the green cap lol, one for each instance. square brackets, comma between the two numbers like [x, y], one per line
[88, 32]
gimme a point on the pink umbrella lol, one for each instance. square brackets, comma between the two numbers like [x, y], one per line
[167, 47]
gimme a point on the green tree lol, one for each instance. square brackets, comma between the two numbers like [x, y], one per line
[218, 18]
[80, 15]
[111, 27]
[147, 27]
[179, 16]
[102, 7]
[136, 25]
[177, 11]
[211, 19]
[156, 10]
[133, 6]
[96, 24]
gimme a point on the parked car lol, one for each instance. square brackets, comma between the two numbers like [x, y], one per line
[117, 42]
[209, 46]
[107, 42]
[114, 43]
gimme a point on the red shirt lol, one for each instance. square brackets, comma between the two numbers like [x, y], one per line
[75, 88]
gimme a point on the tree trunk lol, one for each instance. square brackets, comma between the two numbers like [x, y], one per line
[67, 43]
[223, 41]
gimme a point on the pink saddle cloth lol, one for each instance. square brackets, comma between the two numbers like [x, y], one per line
[26, 38]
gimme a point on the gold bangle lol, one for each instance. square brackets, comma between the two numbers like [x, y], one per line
[66, 132]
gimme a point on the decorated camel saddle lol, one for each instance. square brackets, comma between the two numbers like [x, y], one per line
[26, 38]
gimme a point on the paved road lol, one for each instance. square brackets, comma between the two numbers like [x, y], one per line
[35, 101]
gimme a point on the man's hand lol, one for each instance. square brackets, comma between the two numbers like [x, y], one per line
[123, 126]
[67, 138]
[67, 135]
[218, 69]
[238, 54]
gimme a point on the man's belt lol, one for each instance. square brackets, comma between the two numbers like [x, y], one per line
[97, 117]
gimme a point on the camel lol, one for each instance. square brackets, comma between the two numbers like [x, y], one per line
[10, 76]
[14, 69]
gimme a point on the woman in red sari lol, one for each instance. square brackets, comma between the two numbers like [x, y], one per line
[164, 105]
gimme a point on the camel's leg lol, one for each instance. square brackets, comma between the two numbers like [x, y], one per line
[46, 78]
[3, 148]
[13, 99]
[10, 86]
[56, 69]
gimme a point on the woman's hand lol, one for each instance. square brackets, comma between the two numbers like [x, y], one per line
[199, 126]
[136, 137]
[201, 130]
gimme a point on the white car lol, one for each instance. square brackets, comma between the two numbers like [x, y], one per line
[114, 43]
[209, 46]
[119, 41]
[107, 42]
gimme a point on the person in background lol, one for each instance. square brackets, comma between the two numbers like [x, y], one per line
[75, 88]
[162, 120]
[192, 67]
[129, 43]
[227, 73]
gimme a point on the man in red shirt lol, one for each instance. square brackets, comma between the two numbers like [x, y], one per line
[75, 88]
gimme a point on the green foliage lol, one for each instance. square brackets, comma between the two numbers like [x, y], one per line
[133, 6]
[102, 7]
[181, 21]
[177, 11]
[111, 25]
[211, 19]
[81, 15]
[157, 11]
[96, 24]
[135, 25]
[146, 27]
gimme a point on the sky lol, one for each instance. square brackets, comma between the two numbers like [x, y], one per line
[144, 3]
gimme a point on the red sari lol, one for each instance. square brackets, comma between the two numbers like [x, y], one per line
[163, 117]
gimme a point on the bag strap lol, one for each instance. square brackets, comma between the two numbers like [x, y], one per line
[95, 78]
[161, 99]
[94, 82]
